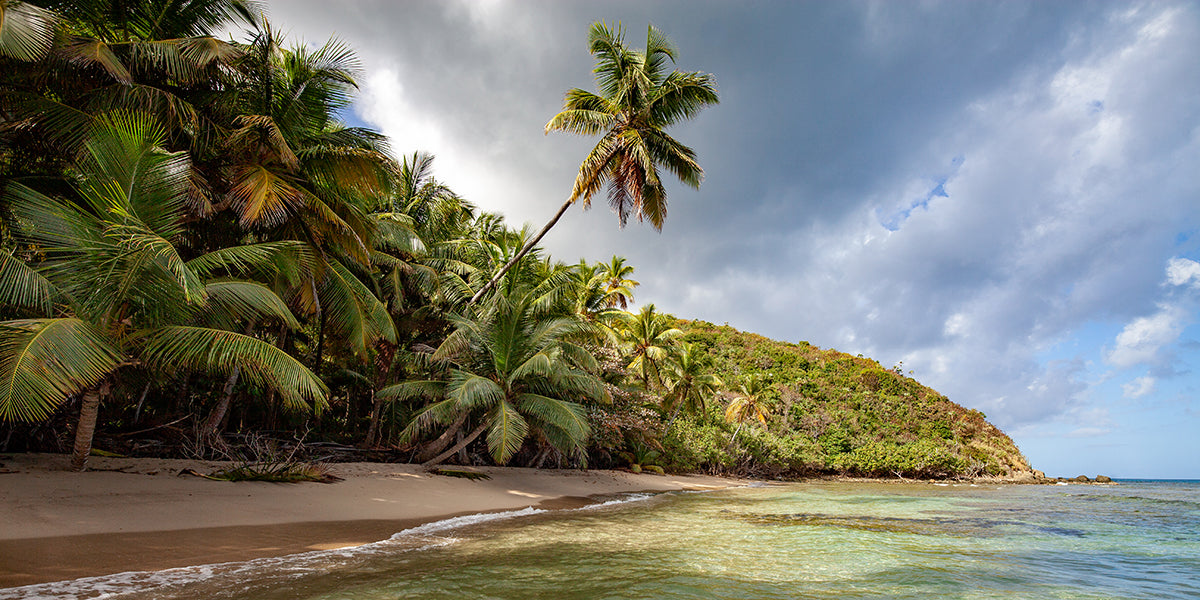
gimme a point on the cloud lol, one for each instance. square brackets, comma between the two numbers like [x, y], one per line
[1139, 387]
[1144, 339]
[1183, 272]
[1141, 340]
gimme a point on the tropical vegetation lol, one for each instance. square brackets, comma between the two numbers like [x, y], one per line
[196, 256]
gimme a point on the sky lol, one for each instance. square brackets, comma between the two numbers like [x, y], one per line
[1003, 197]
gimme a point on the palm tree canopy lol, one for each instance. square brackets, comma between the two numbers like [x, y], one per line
[518, 368]
[638, 99]
[647, 337]
[112, 260]
[749, 402]
[617, 285]
[687, 382]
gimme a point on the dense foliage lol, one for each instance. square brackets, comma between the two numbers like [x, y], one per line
[195, 252]
[824, 411]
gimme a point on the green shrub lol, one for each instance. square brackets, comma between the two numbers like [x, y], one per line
[690, 446]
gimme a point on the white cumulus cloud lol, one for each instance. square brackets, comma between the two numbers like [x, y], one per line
[1139, 387]
[1142, 339]
[1183, 272]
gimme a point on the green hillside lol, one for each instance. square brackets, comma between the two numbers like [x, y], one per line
[828, 412]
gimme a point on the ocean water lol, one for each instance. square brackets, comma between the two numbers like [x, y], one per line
[1139, 539]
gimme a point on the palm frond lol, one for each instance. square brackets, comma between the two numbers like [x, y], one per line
[568, 416]
[203, 51]
[537, 365]
[438, 413]
[262, 197]
[472, 391]
[681, 97]
[352, 309]
[659, 50]
[61, 123]
[506, 433]
[250, 259]
[679, 159]
[231, 301]
[26, 30]
[22, 286]
[42, 361]
[218, 351]
[90, 52]
[408, 390]
[608, 46]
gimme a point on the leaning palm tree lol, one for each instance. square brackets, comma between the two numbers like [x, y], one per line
[116, 293]
[749, 403]
[638, 100]
[514, 370]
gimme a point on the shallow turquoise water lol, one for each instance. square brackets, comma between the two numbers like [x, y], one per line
[816, 540]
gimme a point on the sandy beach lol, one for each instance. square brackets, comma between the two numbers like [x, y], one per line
[138, 514]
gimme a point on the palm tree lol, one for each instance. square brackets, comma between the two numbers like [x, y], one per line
[688, 386]
[647, 338]
[638, 100]
[292, 165]
[136, 55]
[119, 292]
[514, 369]
[749, 403]
[617, 285]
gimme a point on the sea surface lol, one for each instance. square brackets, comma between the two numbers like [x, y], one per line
[1139, 539]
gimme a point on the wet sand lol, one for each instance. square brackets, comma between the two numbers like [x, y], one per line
[138, 514]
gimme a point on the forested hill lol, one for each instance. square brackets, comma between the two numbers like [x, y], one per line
[824, 411]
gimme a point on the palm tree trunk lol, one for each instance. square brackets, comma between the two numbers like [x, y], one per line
[462, 449]
[373, 429]
[316, 368]
[383, 369]
[137, 412]
[217, 415]
[674, 413]
[524, 250]
[443, 440]
[733, 438]
[89, 410]
[463, 444]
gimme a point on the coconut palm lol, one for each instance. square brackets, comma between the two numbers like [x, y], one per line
[688, 385]
[116, 292]
[513, 369]
[617, 284]
[137, 55]
[292, 166]
[638, 100]
[749, 403]
[647, 338]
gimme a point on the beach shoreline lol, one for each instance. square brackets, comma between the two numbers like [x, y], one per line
[137, 514]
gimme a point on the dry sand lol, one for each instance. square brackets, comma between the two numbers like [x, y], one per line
[137, 514]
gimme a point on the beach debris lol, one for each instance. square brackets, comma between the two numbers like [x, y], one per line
[274, 472]
[472, 475]
[195, 473]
